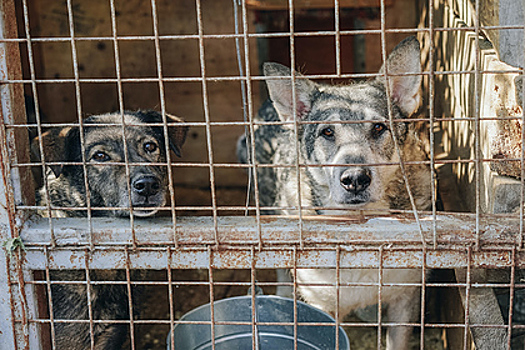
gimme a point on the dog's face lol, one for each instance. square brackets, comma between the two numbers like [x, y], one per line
[142, 184]
[347, 128]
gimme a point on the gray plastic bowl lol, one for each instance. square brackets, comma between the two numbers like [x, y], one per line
[269, 309]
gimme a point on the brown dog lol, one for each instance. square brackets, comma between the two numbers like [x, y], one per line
[111, 193]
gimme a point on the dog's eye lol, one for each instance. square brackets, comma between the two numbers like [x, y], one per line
[378, 129]
[100, 157]
[328, 133]
[150, 147]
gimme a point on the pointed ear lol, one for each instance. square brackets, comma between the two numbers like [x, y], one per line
[59, 145]
[177, 134]
[404, 90]
[281, 92]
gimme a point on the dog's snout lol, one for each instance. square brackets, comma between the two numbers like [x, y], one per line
[146, 186]
[356, 180]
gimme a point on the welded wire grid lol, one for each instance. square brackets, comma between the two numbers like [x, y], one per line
[213, 244]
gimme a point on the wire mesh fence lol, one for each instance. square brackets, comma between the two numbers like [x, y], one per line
[147, 183]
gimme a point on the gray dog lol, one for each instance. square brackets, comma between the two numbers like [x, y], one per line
[346, 137]
[112, 193]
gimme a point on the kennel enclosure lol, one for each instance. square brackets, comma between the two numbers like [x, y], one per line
[200, 60]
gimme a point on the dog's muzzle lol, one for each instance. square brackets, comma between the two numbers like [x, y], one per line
[356, 180]
[147, 191]
[146, 186]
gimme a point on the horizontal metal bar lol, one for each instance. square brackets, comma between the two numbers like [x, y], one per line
[282, 34]
[359, 237]
[199, 79]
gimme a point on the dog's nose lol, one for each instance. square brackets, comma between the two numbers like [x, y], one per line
[146, 186]
[356, 180]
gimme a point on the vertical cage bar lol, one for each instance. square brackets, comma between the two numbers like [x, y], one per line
[212, 296]
[170, 295]
[522, 151]
[205, 100]
[379, 298]
[253, 294]
[123, 121]
[295, 294]
[88, 296]
[164, 120]
[8, 335]
[130, 301]
[477, 127]
[9, 94]
[295, 120]
[512, 290]
[431, 78]
[248, 113]
[31, 299]
[423, 297]
[23, 301]
[337, 315]
[78, 100]
[50, 300]
[391, 122]
[467, 299]
[37, 116]
[337, 38]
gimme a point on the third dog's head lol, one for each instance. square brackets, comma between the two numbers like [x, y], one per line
[347, 128]
[106, 146]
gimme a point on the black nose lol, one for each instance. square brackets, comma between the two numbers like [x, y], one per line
[146, 186]
[356, 180]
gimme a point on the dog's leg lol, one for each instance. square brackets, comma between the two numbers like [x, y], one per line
[283, 276]
[402, 310]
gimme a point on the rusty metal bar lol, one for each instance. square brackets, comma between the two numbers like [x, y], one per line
[8, 334]
[424, 286]
[477, 123]
[211, 267]
[16, 302]
[522, 161]
[265, 35]
[380, 324]
[205, 101]
[50, 300]
[337, 40]
[130, 301]
[296, 146]
[454, 230]
[431, 87]
[78, 100]
[236, 78]
[295, 295]
[337, 315]
[170, 296]
[512, 290]
[116, 52]
[164, 118]
[391, 118]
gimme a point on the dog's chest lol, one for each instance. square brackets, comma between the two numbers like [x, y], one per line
[317, 287]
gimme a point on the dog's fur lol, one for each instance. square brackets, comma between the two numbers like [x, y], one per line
[109, 192]
[351, 176]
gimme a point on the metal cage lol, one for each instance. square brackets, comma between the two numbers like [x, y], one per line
[208, 249]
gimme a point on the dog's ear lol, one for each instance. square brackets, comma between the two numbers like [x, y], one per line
[59, 145]
[281, 92]
[404, 89]
[176, 133]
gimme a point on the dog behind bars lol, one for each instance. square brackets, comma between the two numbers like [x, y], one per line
[111, 193]
[347, 140]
